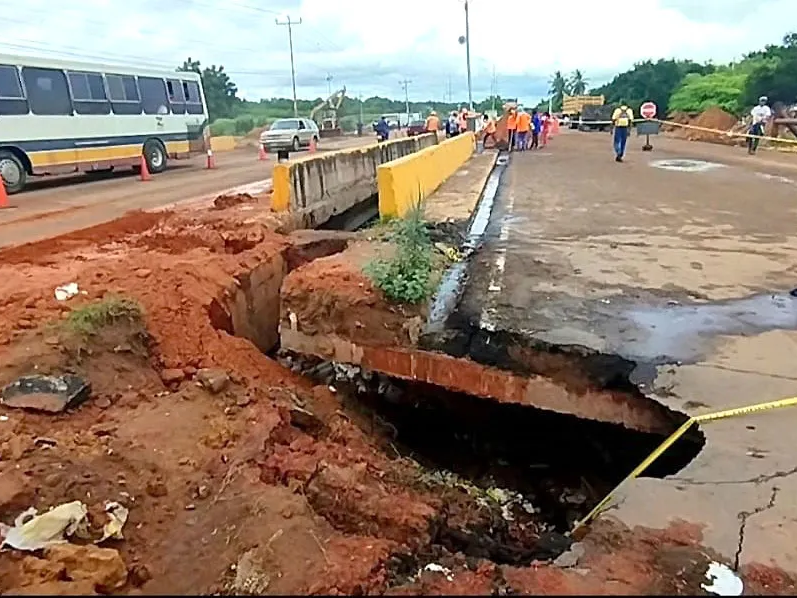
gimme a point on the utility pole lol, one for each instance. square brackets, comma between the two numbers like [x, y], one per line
[329, 84]
[290, 25]
[467, 54]
[360, 97]
[495, 88]
[450, 91]
[406, 85]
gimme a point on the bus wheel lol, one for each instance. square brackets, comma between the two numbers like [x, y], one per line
[12, 172]
[155, 155]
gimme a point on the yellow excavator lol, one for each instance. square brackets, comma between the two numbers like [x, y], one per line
[326, 114]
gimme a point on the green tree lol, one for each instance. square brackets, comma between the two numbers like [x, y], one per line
[648, 80]
[774, 73]
[722, 88]
[558, 87]
[221, 94]
[578, 85]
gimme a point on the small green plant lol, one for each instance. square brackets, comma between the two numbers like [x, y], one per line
[87, 320]
[406, 277]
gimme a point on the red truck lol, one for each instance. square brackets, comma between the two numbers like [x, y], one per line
[416, 127]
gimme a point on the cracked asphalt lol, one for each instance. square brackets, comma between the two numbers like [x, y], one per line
[686, 273]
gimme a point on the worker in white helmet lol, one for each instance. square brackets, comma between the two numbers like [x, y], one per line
[761, 115]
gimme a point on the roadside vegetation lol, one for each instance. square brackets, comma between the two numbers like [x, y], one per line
[406, 277]
[89, 319]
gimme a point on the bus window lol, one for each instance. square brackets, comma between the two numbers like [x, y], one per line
[192, 98]
[124, 94]
[176, 96]
[47, 91]
[153, 95]
[88, 93]
[12, 98]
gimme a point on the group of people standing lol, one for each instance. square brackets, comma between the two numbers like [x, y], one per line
[456, 123]
[528, 130]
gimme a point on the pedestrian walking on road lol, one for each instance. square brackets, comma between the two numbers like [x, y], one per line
[452, 124]
[761, 114]
[622, 119]
[536, 129]
[547, 124]
[523, 129]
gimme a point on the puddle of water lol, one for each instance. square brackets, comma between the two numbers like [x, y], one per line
[676, 332]
[686, 165]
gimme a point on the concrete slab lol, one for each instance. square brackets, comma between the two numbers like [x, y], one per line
[685, 274]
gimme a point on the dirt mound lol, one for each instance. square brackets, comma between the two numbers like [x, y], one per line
[716, 118]
[222, 202]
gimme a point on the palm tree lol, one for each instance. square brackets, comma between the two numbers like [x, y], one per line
[578, 85]
[558, 88]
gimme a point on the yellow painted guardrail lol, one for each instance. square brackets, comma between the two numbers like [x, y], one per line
[404, 182]
[662, 448]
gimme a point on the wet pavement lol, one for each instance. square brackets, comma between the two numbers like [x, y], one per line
[680, 260]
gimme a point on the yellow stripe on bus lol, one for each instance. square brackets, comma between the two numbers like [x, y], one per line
[97, 154]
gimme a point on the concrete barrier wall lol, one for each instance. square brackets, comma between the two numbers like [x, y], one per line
[222, 144]
[321, 185]
[406, 181]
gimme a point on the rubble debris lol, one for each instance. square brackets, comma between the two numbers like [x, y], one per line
[213, 379]
[724, 581]
[434, 567]
[172, 376]
[250, 578]
[570, 557]
[51, 394]
[33, 532]
[66, 291]
[117, 517]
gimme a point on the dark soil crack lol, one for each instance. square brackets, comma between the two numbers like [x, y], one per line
[743, 517]
[767, 477]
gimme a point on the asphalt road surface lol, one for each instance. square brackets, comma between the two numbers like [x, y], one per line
[53, 206]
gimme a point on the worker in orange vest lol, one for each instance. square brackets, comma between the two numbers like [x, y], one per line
[511, 128]
[433, 122]
[489, 130]
[523, 128]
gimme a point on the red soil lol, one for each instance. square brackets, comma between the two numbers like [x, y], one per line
[262, 486]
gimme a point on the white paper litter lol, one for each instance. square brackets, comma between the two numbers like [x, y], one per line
[32, 531]
[66, 291]
[439, 569]
[724, 581]
[117, 517]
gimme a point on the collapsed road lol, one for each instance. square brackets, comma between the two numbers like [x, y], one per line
[274, 425]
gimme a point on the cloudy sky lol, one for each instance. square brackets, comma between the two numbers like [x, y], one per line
[371, 45]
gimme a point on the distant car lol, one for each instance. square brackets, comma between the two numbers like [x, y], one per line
[289, 134]
[417, 127]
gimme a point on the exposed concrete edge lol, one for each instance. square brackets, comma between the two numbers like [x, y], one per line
[466, 376]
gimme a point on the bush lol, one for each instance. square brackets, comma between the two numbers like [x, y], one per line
[222, 126]
[244, 124]
[406, 277]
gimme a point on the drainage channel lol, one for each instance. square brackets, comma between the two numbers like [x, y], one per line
[451, 286]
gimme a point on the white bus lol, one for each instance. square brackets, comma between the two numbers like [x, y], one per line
[58, 117]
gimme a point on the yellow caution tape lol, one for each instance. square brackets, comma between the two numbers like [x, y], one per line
[672, 438]
[725, 133]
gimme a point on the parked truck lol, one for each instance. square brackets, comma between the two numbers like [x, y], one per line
[595, 118]
[573, 106]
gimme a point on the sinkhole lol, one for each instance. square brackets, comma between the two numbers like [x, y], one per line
[546, 470]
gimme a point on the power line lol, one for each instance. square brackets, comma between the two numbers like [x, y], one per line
[290, 25]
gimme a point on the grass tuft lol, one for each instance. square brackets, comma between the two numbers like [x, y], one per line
[89, 319]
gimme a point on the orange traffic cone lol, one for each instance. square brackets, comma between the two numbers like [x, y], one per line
[211, 160]
[4, 196]
[312, 145]
[145, 176]
[261, 153]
